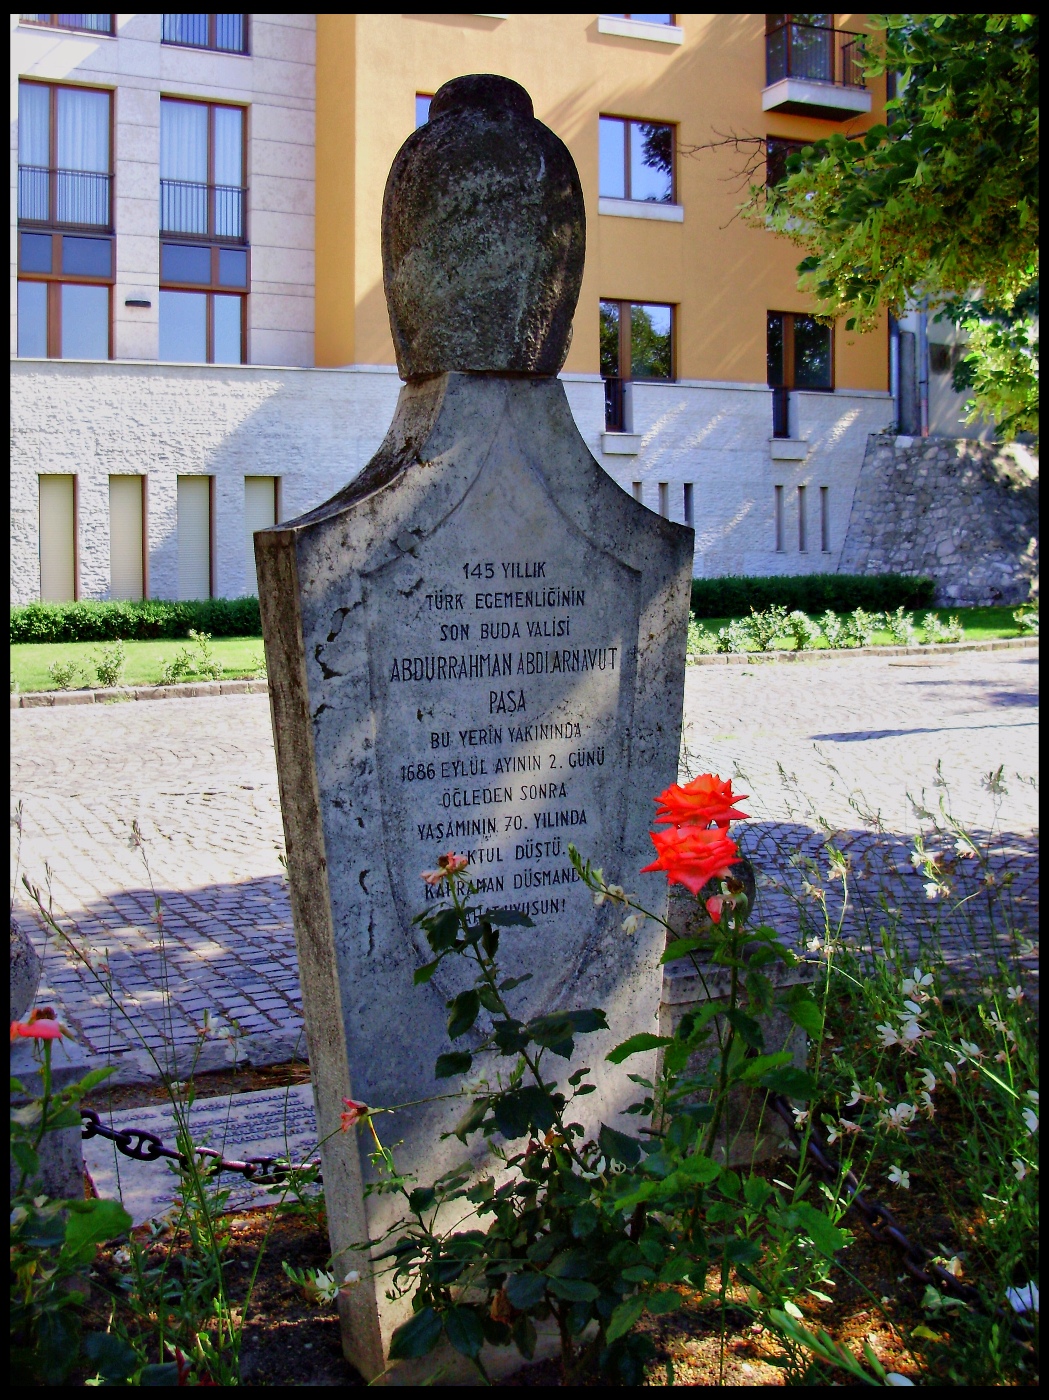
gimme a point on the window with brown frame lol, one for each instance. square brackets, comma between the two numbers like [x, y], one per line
[635, 160]
[85, 24]
[204, 253]
[223, 33]
[800, 355]
[777, 149]
[637, 343]
[65, 241]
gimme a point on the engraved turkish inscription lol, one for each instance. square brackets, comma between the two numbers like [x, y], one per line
[502, 664]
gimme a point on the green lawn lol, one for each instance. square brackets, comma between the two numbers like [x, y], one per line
[240, 657]
[243, 656]
[980, 624]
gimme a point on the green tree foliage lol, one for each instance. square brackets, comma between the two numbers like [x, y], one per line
[940, 204]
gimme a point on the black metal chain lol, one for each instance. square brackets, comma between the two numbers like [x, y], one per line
[143, 1146]
[878, 1220]
[881, 1224]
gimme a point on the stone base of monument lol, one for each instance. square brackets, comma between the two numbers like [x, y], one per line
[750, 1131]
[61, 1155]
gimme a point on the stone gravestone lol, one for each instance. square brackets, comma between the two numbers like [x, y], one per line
[478, 646]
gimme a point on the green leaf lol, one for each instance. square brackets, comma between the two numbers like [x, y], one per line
[471, 1119]
[618, 1147]
[657, 1303]
[416, 1337]
[570, 1263]
[624, 1317]
[424, 973]
[509, 918]
[745, 1027]
[90, 1081]
[525, 1338]
[756, 1191]
[521, 1109]
[464, 1009]
[452, 1062]
[805, 1012]
[166, 1373]
[825, 1235]
[442, 930]
[636, 1045]
[639, 1273]
[27, 1159]
[509, 983]
[86, 1229]
[114, 1359]
[681, 947]
[422, 1198]
[573, 1290]
[700, 1169]
[742, 1251]
[584, 1220]
[464, 1330]
[525, 1290]
[752, 1070]
[794, 1083]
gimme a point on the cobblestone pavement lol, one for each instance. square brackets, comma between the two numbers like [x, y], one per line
[832, 747]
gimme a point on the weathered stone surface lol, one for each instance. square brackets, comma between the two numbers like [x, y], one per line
[25, 973]
[956, 510]
[476, 646]
[483, 236]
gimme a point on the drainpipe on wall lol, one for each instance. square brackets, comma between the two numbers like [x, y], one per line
[923, 370]
[894, 366]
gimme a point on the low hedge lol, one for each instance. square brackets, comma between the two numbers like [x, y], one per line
[153, 619]
[735, 595]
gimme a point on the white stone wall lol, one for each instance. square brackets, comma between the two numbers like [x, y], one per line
[717, 436]
[276, 84]
[316, 428]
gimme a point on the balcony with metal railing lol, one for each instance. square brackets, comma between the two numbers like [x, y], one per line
[203, 211]
[74, 199]
[812, 70]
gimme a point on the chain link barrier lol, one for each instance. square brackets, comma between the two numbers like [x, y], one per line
[879, 1222]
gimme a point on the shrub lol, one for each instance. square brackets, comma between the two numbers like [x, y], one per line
[860, 628]
[938, 632]
[701, 641]
[207, 663]
[767, 625]
[735, 637]
[900, 627]
[179, 670]
[834, 630]
[110, 663]
[1026, 617]
[802, 628]
[64, 674]
[734, 596]
[153, 619]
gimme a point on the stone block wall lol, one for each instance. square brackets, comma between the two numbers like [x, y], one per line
[962, 512]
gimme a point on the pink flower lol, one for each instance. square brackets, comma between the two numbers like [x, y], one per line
[715, 904]
[447, 866]
[354, 1114]
[42, 1025]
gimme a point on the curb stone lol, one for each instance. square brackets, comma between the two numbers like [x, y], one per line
[117, 694]
[745, 658]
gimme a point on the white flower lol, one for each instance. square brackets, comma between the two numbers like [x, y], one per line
[351, 1279]
[935, 890]
[894, 1378]
[899, 1177]
[321, 1287]
[954, 1266]
[811, 891]
[910, 1034]
[858, 1096]
[1014, 993]
[898, 1118]
[965, 848]
[973, 1052]
[847, 1126]
[1032, 1094]
[928, 1079]
[801, 1116]
[1020, 1168]
[121, 1256]
[951, 1071]
[1024, 1299]
[1031, 1119]
[889, 1038]
[927, 1105]
[912, 1008]
[615, 892]
[916, 983]
[632, 923]
[832, 1135]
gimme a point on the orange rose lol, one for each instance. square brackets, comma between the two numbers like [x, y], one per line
[691, 855]
[447, 866]
[704, 800]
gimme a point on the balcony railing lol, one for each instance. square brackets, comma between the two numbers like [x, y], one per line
[67, 198]
[814, 53]
[205, 211]
[90, 24]
[780, 412]
[615, 405]
[225, 33]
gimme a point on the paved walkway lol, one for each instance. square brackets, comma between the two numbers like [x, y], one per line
[834, 746]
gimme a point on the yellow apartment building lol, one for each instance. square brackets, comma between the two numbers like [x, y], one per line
[199, 336]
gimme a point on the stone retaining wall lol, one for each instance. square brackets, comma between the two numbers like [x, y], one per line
[956, 510]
